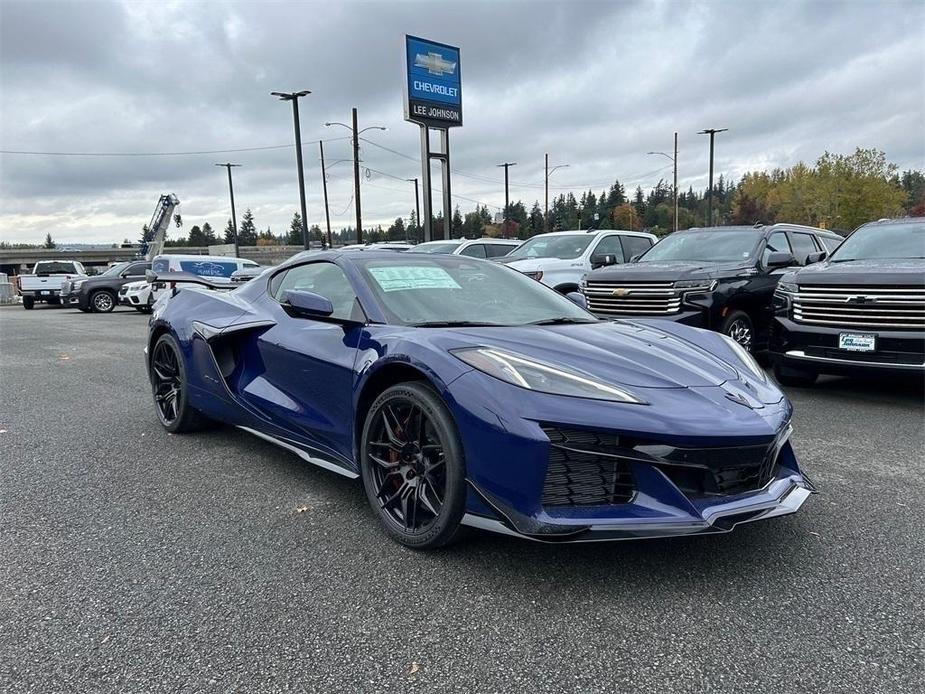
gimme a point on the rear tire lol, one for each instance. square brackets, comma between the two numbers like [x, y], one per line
[28, 303]
[793, 376]
[413, 468]
[170, 388]
[102, 301]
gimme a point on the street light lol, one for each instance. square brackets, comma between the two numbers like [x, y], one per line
[674, 160]
[549, 172]
[711, 132]
[356, 164]
[507, 165]
[294, 98]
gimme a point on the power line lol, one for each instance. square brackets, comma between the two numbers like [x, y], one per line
[156, 154]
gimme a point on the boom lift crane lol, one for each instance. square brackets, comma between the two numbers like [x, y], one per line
[159, 223]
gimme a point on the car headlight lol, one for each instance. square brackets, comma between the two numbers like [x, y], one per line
[532, 374]
[787, 288]
[696, 285]
[748, 361]
[535, 275]
[76, 284]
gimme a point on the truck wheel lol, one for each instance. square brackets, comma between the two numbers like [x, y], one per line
[102, 301]
[738, 326]
[791, 376]
[28, 302]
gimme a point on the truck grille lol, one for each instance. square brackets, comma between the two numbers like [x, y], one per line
[632, 298]
[875, 307]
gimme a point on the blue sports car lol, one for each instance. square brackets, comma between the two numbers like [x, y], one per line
[464, 393]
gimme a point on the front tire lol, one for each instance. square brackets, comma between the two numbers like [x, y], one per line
[793, 376]
[739, 327]
[102, 301]
[28, 302]
[170, 387]
[413, 468]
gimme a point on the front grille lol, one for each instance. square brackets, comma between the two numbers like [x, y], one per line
[595, 468]
[632, 298]
[578, 473]
[875, 307]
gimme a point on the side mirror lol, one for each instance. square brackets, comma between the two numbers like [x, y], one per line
[151, 276]
[308, 304]
[603, 260]
[816, 257]
[578, 298]
[781, 259]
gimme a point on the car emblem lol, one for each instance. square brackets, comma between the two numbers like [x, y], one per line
[860, 299]
[435, 64]
[739, 400]
[621, 291]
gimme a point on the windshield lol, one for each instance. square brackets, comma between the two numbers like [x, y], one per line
[883, 241]
[115, 270]
[447, 289]
[704, 247]
[55, 267]
[552, 246]
[436, 247]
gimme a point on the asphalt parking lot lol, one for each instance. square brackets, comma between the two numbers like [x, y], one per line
[136, 561]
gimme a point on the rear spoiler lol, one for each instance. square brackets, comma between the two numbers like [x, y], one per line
[185, 277]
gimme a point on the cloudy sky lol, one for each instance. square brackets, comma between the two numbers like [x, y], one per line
[596, 85]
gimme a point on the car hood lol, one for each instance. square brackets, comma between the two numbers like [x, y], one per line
[888, 271]
[544, 264]
[666, 271]
[621, 352]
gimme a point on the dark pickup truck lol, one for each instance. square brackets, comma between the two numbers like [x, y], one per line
[860, 311]
[719, 278]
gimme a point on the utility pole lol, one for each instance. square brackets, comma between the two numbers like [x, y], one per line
[417, 204]
[355, 137]
[294, 98]
[234, 219]
[324, 185]
[674, 161]
[507, 201]
[549, 172]
[712, 133]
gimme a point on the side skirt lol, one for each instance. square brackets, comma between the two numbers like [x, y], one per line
[304, 455]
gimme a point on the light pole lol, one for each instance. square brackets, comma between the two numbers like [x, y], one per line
[294, 98]
[234, 219]
[417, 205]
[507, 165]
[674, 160]
[324, 186]
[712, 133]
[356, 165]
[549, 172]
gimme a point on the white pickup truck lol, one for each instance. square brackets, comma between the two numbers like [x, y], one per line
[44, 284]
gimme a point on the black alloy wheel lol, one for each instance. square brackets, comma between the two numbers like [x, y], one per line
[412, 466]
[168, 384]
[102, 301]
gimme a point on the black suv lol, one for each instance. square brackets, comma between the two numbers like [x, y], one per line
[720, 278]
[863, 310]
[101, 293]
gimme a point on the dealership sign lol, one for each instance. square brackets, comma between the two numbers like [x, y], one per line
[433, 87]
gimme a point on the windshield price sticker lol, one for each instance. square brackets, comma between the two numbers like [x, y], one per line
[397, 278]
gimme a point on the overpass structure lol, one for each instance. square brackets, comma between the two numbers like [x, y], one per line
[16, 261]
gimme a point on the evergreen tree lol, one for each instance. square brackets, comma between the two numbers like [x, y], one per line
[229, 232]
[49, 243]
[294, 237]
[456, 225]
[208, 235]
[247, 232]
[535, 223]
[196, 237]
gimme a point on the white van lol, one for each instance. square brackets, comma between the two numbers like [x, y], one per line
[218, 268]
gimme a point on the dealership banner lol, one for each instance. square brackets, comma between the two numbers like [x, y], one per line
[433, 87]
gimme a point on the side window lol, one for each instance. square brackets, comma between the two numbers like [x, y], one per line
[803, 245]
[476, 250]
[496, 250]
[829, 242]
[324, 279]
[777, 243]
[136, 270]
[635, 245]
[609, 245]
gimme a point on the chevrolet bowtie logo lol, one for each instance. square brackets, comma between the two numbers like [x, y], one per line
[861, 299]
[621, 291]
[435, 64]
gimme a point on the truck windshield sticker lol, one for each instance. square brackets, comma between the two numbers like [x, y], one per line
[397, 278]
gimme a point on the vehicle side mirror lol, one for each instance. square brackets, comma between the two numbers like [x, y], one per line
[578, 298]
[151, 276]
[308, 304]
[603, 260]
[781, 259]
[816, 257]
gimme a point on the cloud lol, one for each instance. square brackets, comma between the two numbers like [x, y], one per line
[595, 84]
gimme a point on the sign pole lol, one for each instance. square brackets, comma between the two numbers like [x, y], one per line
[447, 202]
[427, 220]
